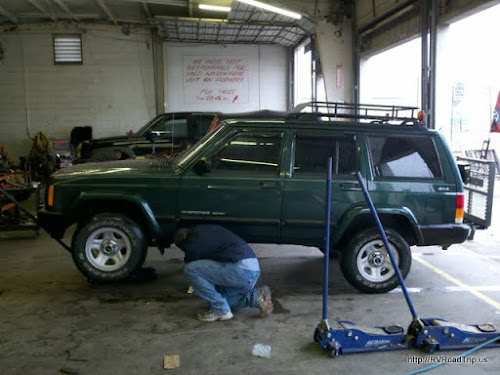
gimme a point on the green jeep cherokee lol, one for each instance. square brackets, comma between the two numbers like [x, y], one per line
[265, 178]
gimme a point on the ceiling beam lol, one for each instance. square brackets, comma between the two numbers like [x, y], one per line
[107, 11]
[37, 5]
[226, 21]
[64, 7]
[63, 15]
[146, 10]
[175, 3]
[9, 15]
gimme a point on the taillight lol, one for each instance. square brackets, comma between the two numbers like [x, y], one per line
[50, 196]
[459, 210]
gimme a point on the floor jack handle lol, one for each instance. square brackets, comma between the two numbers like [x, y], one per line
[30, 215]
[386, 244]
[326, 263]
[12, 199]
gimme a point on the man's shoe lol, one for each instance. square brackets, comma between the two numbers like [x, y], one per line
[265, 303]
[210, 316]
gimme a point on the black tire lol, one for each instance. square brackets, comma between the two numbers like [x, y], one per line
[366, 264]
[109, 247]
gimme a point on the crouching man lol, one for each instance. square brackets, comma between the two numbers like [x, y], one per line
[223, 270]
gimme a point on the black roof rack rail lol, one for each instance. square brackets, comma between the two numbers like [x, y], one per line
[366, 113]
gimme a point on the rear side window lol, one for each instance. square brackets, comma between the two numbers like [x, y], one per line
[312, 153]
[413, 157]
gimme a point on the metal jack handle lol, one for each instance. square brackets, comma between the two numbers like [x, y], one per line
[386, 244]
[30, 215]
[326, 258]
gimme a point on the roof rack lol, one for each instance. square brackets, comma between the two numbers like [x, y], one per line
[366, 113]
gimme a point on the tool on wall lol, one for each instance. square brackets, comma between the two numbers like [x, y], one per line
[430, 334]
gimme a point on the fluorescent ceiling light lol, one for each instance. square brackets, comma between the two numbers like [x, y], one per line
[216, 8]
[271, 8]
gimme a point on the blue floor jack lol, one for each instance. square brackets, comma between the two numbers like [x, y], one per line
[430, 334]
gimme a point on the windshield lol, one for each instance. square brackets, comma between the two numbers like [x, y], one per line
[185, 157]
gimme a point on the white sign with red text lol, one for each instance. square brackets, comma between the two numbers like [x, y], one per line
[215, 79]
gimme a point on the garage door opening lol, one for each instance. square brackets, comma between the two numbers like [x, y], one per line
[474, 78]
[467, 79]
[393, 76]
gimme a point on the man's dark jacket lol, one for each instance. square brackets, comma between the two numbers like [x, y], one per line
[208, 241]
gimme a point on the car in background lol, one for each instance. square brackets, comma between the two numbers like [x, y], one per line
[165, 134]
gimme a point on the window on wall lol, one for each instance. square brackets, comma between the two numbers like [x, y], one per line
[67, 49]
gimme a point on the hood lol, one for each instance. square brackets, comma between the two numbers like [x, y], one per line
[115, 168]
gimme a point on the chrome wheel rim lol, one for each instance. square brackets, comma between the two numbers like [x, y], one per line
[108, 249]
[374, 263]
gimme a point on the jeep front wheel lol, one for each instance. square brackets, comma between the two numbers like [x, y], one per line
[109, 247]
[365, 262]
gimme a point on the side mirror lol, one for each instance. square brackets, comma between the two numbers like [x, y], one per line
[203, 166]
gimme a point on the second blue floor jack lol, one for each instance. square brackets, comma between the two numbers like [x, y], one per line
[430, 334]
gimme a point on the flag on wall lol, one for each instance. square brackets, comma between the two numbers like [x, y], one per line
[495, 125]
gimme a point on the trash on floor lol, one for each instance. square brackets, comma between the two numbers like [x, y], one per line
[171, 361]
[261, 350]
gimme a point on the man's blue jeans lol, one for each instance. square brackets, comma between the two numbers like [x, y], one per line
[226, 286]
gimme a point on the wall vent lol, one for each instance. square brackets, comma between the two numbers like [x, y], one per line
[68, 49]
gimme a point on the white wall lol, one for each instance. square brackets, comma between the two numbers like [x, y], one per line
[113, 90]
[335, 48]
[263, 68]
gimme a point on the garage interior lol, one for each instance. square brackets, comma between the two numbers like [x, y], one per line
[131, 63]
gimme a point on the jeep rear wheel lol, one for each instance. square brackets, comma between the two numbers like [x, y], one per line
[109, 247]
[366, 264]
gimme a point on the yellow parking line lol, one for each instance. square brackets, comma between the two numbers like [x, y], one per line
[455, 281]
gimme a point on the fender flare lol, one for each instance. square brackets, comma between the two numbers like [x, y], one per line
[144, 208]
[359, 210]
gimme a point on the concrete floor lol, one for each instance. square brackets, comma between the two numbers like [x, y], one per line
[53, 321]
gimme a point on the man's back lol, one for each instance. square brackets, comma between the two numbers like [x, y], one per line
[215, 242]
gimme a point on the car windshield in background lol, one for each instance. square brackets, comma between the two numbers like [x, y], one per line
[142, 131]
[183, 158]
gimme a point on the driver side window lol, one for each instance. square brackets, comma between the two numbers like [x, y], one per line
[177, 128]
[249, 152]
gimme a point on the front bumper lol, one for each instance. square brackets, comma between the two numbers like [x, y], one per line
[444, 235]
[55, 223]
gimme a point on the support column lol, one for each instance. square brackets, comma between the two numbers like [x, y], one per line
[159, 76]
[425, 66]
[428, 34]
[444, 84]
[335, 47]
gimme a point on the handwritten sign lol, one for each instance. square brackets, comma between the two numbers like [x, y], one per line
[215, 79]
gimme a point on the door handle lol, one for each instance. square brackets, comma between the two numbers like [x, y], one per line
[350, 186]
[270, 185]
